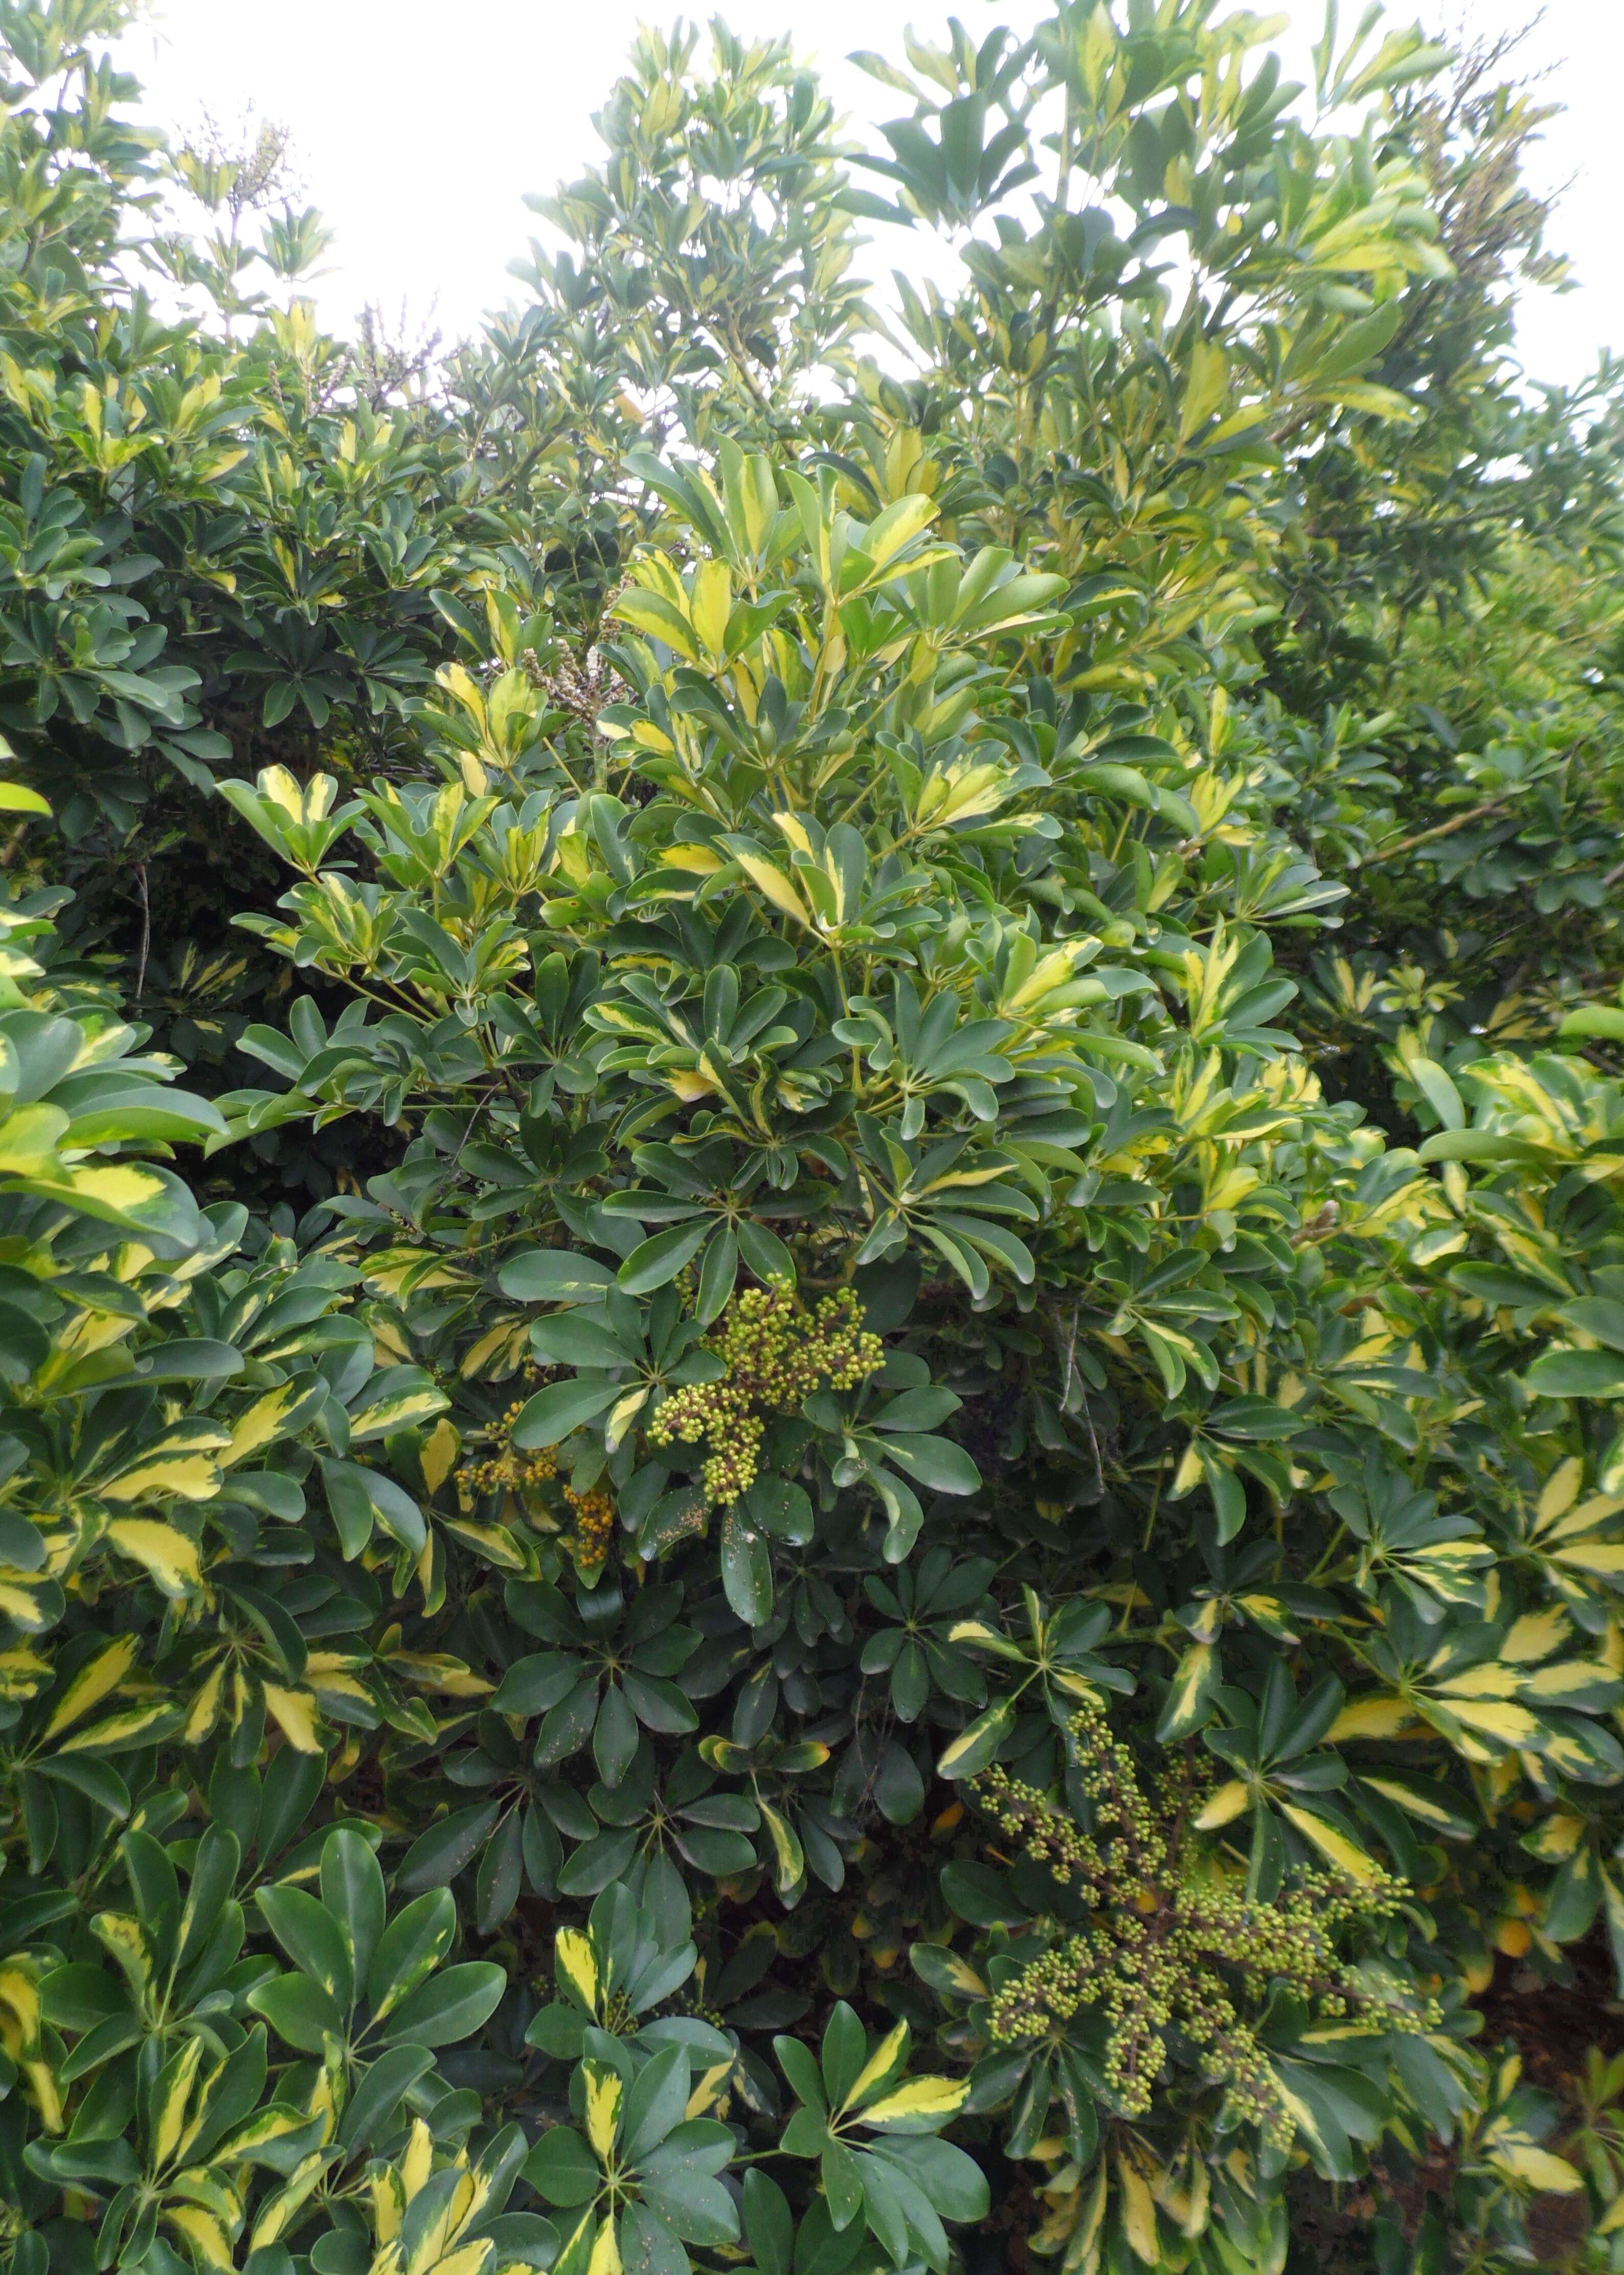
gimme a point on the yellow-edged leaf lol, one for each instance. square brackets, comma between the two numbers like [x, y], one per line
[267, 1419]
[605, 2252]
[789, 1857]
[1536, 1636]
[167, 1555]
[417, 2164]
[898, 525]
[1603, 1558]
[1186, 1693]
[1413, 1803]
[577, 1968]
[19, 1996]
[603, 2090]
[710, 2090]
[1525, 2160]
[296, 1717]
[1224, 1807]
[192, 1476]
[1555, 1840]
[22, 1605]
[889, 2055]
[1489, 1680]
[118, 1730]
[1083, 2252]
[279, 2213]
[120, 1190]
[169, 2118]
[1138, 2212]
[650, 612]
[1561, 1490]
[1500, 1720]
[712, 604]
[1372, 1717]
[965, 1980]
[203, 2232]
[438, 1454]
[98, 1675]
[470, 2259]
[22, 1672]
[331, 1678]
[273, 2124]
[388, 2203]
[920, 2104]
[777, 887]
[117, 1933]
[1333, 1844]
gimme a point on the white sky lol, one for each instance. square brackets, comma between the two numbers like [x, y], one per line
[420, 126]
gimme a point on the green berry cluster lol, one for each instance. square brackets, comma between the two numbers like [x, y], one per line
[1175, 1947]
[507, 1468]
[775, 1353]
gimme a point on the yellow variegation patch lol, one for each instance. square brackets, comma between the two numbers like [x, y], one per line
[603, 2095]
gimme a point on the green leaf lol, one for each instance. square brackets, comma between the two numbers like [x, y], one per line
[413, 1943]
[553, 1413]
[561, 2168]
[936, 1464]
[358, 1497]
[378, 2092]
[952, 2180]
[1599, 1019]
[746, 1569]
[311, 1938]
[614, 1735]
[352, 1883]
[299, 2011]
[656, 1261]
[694, 2206]
[449, 2007]
[1598, 1316]
[656, 2104]
[805, 2078]
[1439, 1090]
[842, 2053]
[553, 1275]
[531, 1685]
[439, 1854]
[1490, 1145]
[1577, 1374]
[769, 2229]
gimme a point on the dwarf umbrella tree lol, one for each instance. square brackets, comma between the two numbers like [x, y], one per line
[811, 1189]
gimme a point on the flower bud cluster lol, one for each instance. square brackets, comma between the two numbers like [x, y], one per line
[774, 1352]
[509, 1469]
[595, 1521]
[1172, 1945]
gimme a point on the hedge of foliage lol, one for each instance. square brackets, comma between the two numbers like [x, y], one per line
[812, 1197]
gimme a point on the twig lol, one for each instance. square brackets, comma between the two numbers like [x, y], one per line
[140, 969]
[1071, 1353]
[1442, 829]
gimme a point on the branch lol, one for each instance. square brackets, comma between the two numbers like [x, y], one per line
[1443, 829]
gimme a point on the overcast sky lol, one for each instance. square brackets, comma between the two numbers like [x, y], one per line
[418, 127]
